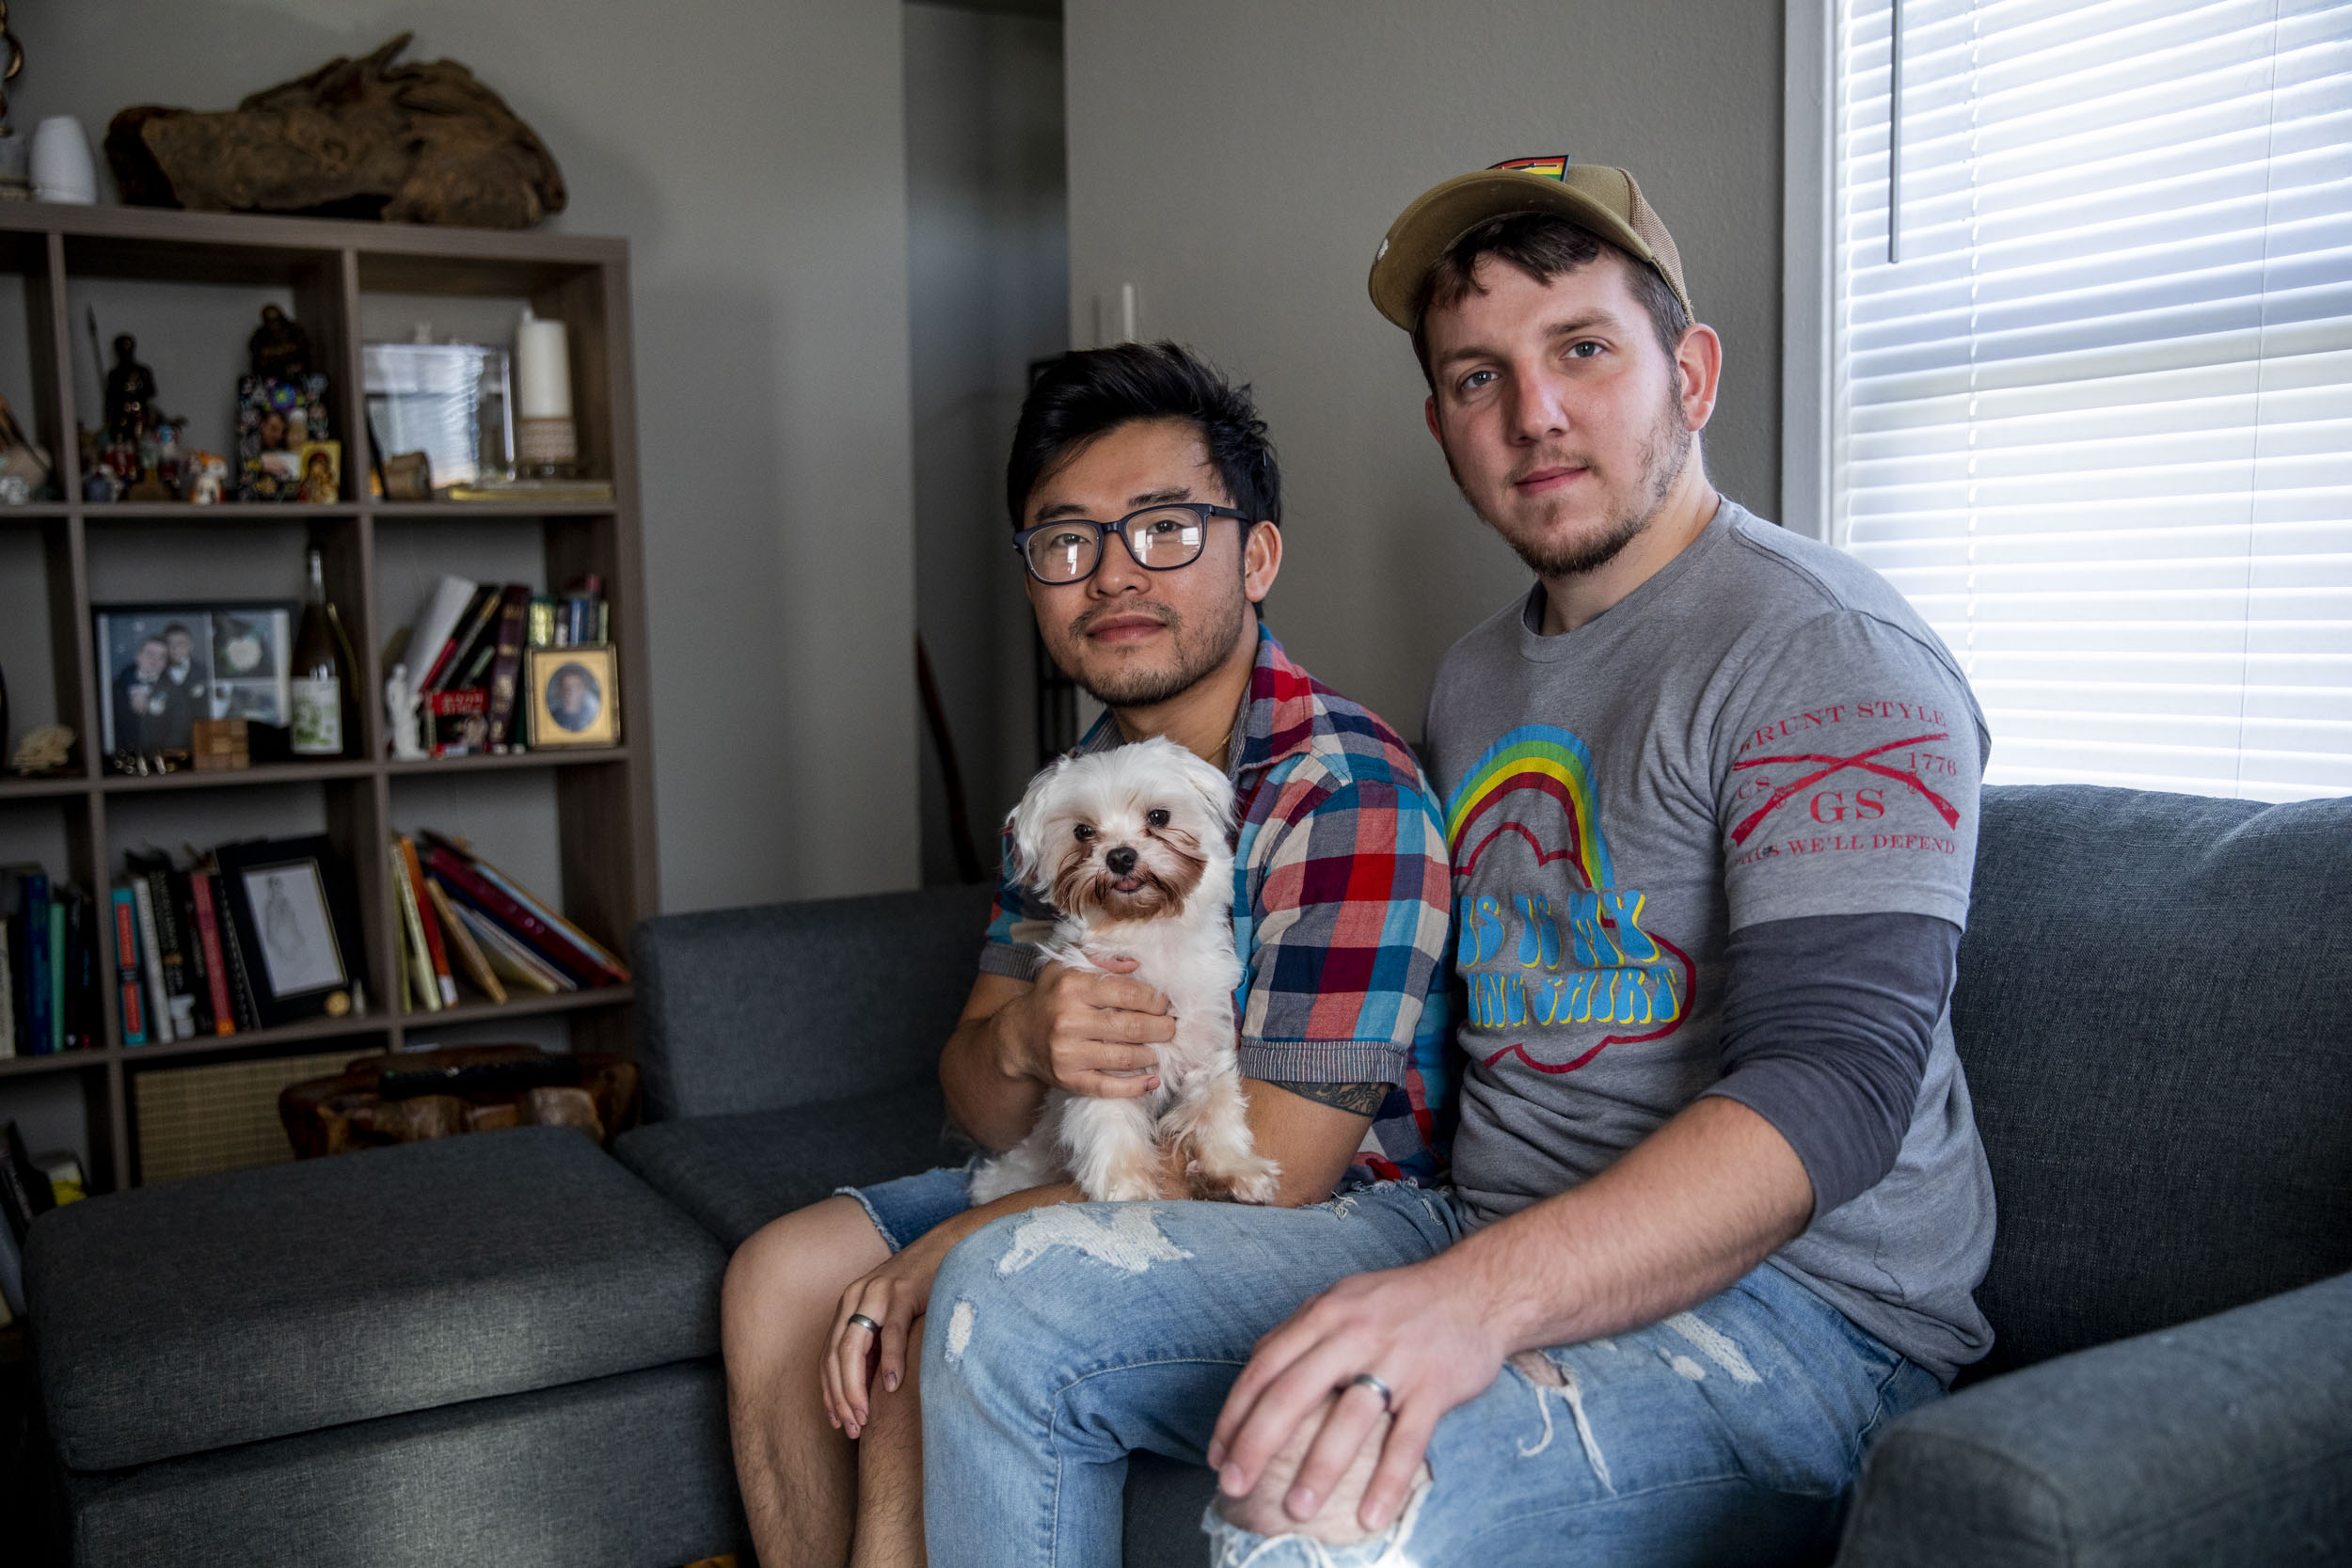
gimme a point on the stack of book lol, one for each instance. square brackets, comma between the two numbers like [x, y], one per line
[465, 655]
[49, 945]
[180, 971]
[250, 936]
[460, 915]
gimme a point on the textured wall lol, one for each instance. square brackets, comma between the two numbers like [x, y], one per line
[754, 155]
[1238, 161]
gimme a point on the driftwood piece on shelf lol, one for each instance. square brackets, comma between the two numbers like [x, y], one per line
[355, 138]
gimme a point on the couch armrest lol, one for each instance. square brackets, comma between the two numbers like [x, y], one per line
[2228, 1439]
[784, 1004]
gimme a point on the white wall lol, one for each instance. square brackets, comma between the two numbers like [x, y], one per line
[1239, 159]
[753, 154]
[988, 273]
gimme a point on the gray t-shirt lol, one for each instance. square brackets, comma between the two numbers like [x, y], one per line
[1762, 731]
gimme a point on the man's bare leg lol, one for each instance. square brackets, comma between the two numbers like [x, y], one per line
[798, 1474]
[890, 1472]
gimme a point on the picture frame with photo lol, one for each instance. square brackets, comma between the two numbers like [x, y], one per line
[296, 916]
[575, 695]
[164, 666]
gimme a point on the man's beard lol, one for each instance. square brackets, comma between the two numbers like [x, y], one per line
[1196, 656]
[1664, 454]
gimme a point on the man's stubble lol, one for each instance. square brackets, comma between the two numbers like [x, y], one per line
[1664, 453]
[1197, 655]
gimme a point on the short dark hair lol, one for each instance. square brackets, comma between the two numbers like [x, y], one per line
[1090, 392]
[1543, 245]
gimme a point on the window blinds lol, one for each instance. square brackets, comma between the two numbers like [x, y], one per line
[2097, 420]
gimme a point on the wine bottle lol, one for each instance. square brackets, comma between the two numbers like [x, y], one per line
[321, 674]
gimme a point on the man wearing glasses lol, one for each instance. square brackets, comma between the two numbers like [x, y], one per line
[1147, 508]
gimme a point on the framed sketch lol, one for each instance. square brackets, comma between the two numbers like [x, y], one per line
[296, 920]
[166, 666]
[575, 695]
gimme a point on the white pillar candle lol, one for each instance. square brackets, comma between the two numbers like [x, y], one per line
[543, 369]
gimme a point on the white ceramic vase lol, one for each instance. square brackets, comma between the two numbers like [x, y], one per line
[62, 167]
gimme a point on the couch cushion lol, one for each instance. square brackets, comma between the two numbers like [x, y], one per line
[756, 1009]
[618, 1472]
[736, 1173]
[177, 1319]
[2154, 1006]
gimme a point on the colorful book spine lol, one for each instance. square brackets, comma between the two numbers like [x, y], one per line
[178, 998]
[468, 888]
[506, 668]
[57, 973]
[247, 1011]
[469, 954]
[82, 1026]
[417, 963]
[40, 1004]
[159, 1021]
[216, 961]
[589, 948]
[512, 958]
[7, 988]
[130, 1001]
[435, 943]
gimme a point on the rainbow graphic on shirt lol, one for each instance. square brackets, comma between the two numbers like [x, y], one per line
[1537, 757]
[1553, 965]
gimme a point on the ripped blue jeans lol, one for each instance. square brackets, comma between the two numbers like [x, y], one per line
[1061, 1340]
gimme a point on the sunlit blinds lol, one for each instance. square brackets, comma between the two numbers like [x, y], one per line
[2097, 419]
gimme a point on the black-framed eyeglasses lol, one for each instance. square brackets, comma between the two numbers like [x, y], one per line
[1158, 538]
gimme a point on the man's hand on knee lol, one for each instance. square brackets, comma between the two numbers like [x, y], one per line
[1335, 1520]
[1419, 1336]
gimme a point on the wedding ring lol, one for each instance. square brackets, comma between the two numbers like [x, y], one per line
[863, 1322]
[1365, 1380]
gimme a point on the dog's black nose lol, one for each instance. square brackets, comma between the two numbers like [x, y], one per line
[1120, 861]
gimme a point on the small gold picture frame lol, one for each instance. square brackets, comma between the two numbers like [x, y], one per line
[575, 695]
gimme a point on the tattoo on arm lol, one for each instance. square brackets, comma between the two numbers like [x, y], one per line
[1362, 1098]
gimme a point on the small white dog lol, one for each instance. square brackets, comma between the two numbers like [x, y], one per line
[1129, 845]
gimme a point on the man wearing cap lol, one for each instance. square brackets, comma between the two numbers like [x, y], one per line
[1718, 1207]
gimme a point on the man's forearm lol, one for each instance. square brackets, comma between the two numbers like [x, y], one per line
[1691, 1208]
[992, 1108]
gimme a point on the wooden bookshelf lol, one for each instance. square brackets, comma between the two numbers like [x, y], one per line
[602, 799]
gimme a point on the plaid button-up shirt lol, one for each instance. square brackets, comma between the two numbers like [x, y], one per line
[1340, 903]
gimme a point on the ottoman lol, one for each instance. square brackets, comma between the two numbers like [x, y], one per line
[499, 1347]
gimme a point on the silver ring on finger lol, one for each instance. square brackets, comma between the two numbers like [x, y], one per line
[1366, 1380]
[861, 1320]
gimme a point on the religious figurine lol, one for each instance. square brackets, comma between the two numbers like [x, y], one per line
[130, 395]
[400, 706]
[280, 349]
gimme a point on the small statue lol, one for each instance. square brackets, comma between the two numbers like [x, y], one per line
[130, 395]
[278, 349]
[208, 482]
[400, 706]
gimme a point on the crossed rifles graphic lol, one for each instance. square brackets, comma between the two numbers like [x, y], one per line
[1829, 765]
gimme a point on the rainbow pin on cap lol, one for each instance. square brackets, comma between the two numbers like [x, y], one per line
[1605, 200]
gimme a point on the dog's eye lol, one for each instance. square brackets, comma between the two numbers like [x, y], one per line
[1155, 818]
[1084, 832]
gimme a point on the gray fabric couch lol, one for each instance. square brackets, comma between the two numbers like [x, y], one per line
[342, 1362]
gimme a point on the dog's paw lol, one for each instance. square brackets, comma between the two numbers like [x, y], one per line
[1257, 1182]
[1130, 1189]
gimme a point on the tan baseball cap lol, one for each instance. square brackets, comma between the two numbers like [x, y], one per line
[1605, 200]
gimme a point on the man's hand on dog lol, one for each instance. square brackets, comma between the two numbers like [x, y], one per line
[1089, 1033]
[1413, 1329]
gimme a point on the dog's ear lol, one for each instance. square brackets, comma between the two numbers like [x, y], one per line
[1208, 781]
[1026, 823]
